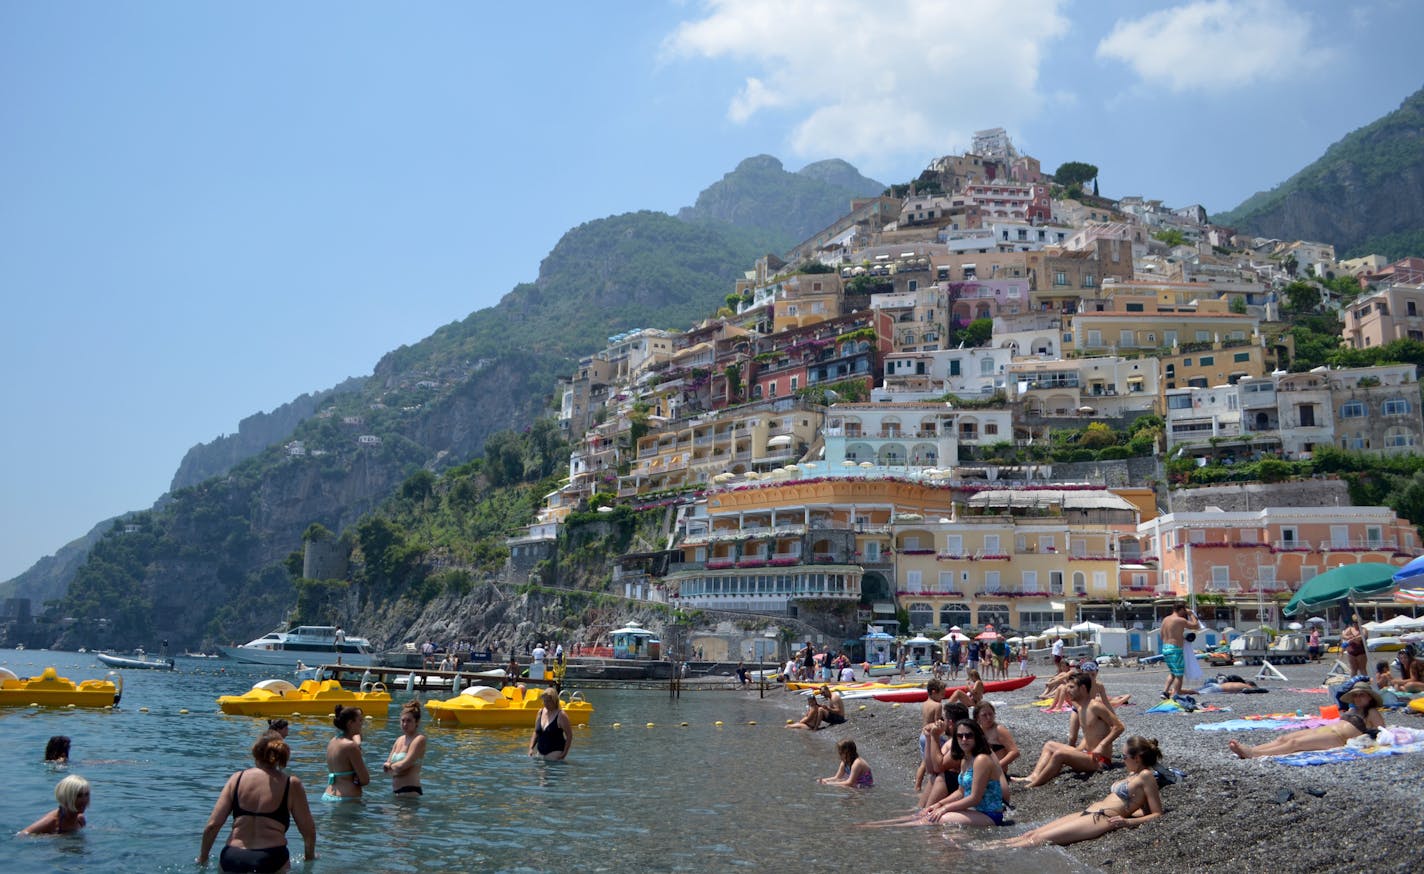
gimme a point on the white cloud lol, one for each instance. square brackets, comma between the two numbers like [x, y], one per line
[875, 81]
[1212, 45]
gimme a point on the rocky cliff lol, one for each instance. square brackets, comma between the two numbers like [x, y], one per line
[1366, 193]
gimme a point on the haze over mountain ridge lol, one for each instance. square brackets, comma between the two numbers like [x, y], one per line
[641, 269]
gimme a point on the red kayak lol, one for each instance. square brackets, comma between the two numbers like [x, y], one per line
[910, 696]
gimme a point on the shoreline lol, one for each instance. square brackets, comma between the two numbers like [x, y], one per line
[1247, 814]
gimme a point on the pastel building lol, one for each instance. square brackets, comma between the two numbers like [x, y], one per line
[1270, 553]
[1018, 557]
[908, 435]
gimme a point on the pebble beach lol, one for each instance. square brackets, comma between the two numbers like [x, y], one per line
[1226, 814]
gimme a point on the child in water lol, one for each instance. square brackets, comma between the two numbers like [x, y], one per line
[854, 772]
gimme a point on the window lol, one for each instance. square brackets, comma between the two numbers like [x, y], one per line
[1266, 576]
[1100, 581]
[1045, 543]
[954, 544]
[954, 367]
[1241, 356]
[1134, 308]
[1410, 309]
[991, 544]
[1208, 360]
[771, 390]
[1088, 280]
[946, 581]
[1203, 336]
[1095, 338]
[1030, 581]
[872, 552]
[991, 581]
[795, 382]
[1352, 410]
[921, 614]
[913, 285]
[912, 581]
[991, 428]
[986, 367]
[1060, 278]
[1396, 407]
[1126, 338]
[1374, 535]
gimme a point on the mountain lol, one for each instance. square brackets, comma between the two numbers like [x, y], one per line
[1365, 194]
[761, 195]
[254, 434]
[213, 562]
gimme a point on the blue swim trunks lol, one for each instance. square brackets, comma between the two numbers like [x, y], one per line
[1174, 657]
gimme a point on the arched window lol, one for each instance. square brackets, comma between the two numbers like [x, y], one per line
[921, 615]
[996, 615]
[1396, 407]
[954, 613]
[986, 366]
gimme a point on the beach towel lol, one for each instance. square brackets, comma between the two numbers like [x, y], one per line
[1313, 690]
[1297, 716]
[1391, 741]
[1256, 723]
[1175, 707]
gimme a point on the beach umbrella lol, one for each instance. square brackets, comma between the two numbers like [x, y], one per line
[1341, 584]
[987, 634]
[953, 635]
[955, 629]
[1317, 620]
[1014, 640]
[1060, 631]
[1412, 572]
[1088, 627]
[1295, 626]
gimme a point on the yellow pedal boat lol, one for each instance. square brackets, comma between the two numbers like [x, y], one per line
[511, 707]
[51, 690]
[312, 698]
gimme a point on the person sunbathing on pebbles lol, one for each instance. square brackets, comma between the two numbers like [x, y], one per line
[1099, 727]
[1132, 802]
[1363, 717]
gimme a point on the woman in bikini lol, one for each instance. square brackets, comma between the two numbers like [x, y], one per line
[403, 764]
[553, 734]
[262, 802]
[345, 766]
[1001, 740]
[72, 793]
[854, 772]
[979, 798]
[972, 694]
[1363, 717]
[1132, 802]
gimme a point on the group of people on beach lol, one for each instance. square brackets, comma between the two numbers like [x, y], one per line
[963, 777]
[264, 801]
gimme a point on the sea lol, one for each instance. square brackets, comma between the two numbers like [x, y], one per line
[710, 781]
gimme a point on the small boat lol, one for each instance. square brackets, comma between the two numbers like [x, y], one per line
[51, 690]
[138, 661]
[907, 696]
[511, 707]
[304, 643]
[311, 698]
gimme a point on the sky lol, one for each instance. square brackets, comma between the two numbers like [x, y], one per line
[208, 209]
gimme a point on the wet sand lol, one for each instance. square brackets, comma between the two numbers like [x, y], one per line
[1228, 814]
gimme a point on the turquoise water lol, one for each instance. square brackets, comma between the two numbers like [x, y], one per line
[634, 798]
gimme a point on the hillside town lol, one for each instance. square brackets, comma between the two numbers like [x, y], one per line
[970, 405]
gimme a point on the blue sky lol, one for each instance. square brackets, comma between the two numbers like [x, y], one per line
[208, 209]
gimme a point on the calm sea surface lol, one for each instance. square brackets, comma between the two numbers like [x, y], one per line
[634, 798]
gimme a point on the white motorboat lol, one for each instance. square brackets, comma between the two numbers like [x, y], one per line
[310, 644]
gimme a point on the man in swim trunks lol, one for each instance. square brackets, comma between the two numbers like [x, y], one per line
[1174, 631]
[833, 711]
[1100, 727]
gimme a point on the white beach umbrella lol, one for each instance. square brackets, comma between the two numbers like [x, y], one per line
[1295, 626]
[1088, 627]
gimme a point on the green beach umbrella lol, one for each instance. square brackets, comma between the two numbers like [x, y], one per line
[1341, 584]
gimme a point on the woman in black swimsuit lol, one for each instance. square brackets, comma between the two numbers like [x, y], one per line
[553, 734]
[262, 801]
